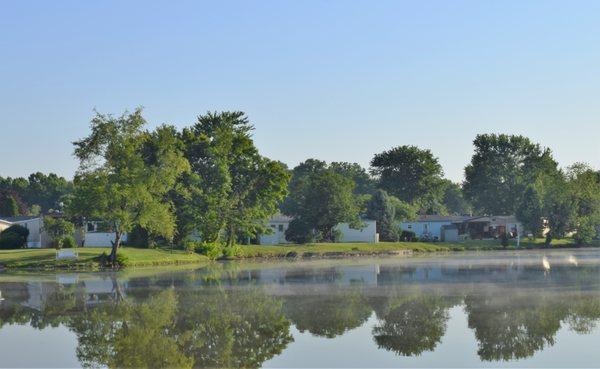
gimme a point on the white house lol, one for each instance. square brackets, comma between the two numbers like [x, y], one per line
[431, 226]
[453, 228]
[96, 234]
[35, 224]
[280, 223]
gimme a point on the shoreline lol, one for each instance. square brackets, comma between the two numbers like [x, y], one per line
[43, 260]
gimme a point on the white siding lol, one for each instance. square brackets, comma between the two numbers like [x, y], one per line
[277, 236]
[366, 234]
[433, 229]
[101, 239]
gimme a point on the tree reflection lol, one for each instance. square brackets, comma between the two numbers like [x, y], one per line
[411, 325]
[327, 315]
[213, 328]
[510, 327]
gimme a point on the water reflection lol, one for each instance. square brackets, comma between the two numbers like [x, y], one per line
[237, 315]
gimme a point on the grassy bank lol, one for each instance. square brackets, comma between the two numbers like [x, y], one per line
[88, 258]
[383, 248]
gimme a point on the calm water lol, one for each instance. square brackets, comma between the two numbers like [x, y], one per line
[467, 310]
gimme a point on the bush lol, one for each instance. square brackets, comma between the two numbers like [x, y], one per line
[504, 240]
[68, 242]
[189, 246]
[14, 237]
[232, 251]
[213, 250]
[408, 236]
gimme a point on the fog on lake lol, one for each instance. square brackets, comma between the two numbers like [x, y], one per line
[521, 309]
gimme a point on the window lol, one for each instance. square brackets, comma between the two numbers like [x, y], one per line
[281, 228]
[90, 227]
[410, 226]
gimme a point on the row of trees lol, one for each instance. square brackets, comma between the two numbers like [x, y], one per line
[210, 178]
[39, 193]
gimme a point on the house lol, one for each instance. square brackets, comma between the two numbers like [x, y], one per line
[454, 228]
[35, 224]
[280, 223]
[96, 233]
[433, 227]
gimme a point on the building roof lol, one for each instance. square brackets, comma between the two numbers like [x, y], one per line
[280, 218]
[443, 218]
[494, 219]
[18, 219]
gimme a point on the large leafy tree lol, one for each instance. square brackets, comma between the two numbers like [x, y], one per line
[319, 199]
[125, 173]
[381, 208]
[411, 174]
[9, 206]
[584, 184]
[364, 184]
[530, 211]
[40, 191]
[454, 200]
[232, 189]
[501, 169]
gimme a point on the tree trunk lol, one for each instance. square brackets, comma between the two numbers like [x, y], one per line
[115, 248]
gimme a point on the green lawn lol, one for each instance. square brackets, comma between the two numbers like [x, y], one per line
[46, 258]
[341, 249]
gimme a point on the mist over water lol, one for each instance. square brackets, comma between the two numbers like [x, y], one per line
[497, 309]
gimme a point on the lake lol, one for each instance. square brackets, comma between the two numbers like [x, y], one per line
[490, 309]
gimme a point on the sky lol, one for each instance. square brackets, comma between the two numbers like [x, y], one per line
[333, 80]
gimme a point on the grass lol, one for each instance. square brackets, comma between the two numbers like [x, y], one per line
[88, 258]
[382, 248]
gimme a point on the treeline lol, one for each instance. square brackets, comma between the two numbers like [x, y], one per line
[209, 180]
[36, 194]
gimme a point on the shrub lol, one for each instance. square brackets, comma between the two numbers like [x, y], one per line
[14, 237]
[213, 250]
[408, 236]
[189, 246]
[68, 242]
[232, 251]
[504, 240]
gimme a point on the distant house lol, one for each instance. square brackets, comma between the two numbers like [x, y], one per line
[96, 233]
[280, 223]
[434, 227]
[454, 228]
[35, 224]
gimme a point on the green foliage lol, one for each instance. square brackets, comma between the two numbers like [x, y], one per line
[125, 174]
[530, 211]
[501, 170]
[504, 240]
[59, 230]
[411, 174]
[403, 210]
[232, 189]
[8, 206]
[319, 199]
[14, 237]
[454, 200]
[43, 191]
[382, 209]
[363, 183]
[68, 242]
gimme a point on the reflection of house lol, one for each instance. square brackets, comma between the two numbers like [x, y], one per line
[280, 223]
[454, 228]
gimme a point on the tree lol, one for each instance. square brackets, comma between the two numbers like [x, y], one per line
[411, 174]
[319, 199]
[454, 200]
[363, 183]
[124, 175]
[382, 209]
[47, 191]
[501, 169]
[8, 206]
[232, 189]
[584, 184]
[14, 237]
[58, 228]
[531, 211]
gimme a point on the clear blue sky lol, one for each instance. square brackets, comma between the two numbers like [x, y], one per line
[334, 80]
